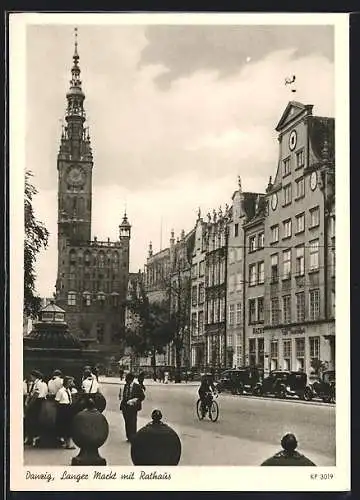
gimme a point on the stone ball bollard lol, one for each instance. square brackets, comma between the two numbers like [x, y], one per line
[90, 430]
[156, 444]
[82, 401]
[288, 456]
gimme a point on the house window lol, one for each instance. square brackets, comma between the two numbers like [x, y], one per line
[87, 298]
[194, 271]
[287, 309]
[274, 268]
[201, 322]
[252, 311]
[252, 274]
[286, 264]
[252, 244]
[238, 254]
[287, 354]
[231, 314]
[261, 273]
[261, 352]
[261, 240]
[314, 255]
[210, 310]
[300, 307]
[287, 195]
[201, 268]
[194, 295]
[287, 229]
[252, 352]
[300, 261]
[314, 348]
[274, 234]
[300, 158]
[286, 167]
[300, 188]
[201, 293]
[300, 223]
[216, 310]
[260, 309]
[238, 355]
[194, 324]
[314, 296]
[236, 230]
[300, 354]
[229, 340]
[72, 299]
[238, 313]
[274, 354]
[314, 217]
[221, 309]
[275, 312]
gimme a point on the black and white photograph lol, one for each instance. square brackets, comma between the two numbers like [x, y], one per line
[177, 249]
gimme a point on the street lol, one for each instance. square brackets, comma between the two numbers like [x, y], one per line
[248, 430]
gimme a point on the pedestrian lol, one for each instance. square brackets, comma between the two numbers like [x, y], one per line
[90, 385]
[55, 383]
[288, 456]
[141, 378]
[36, 397]
[121, 373]
[131, 400]
[64, 399]
[166, 376]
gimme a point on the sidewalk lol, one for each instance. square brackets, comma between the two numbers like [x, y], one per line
[205, 447]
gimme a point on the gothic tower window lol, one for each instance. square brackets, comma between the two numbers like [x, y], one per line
[72, 299]
[101, 259]
[87, 298]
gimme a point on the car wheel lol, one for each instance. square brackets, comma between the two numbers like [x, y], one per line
[257, 391]
[307, 396]
[240, 390]
[282, 393]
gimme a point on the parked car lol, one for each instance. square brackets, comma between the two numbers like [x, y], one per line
[240, 380]
[285, 383]
[324, 387]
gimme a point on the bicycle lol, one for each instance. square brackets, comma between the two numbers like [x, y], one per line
[211, 408]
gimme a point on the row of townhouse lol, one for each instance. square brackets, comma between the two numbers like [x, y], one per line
[263, 270]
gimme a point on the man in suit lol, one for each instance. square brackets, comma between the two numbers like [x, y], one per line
[130, 404]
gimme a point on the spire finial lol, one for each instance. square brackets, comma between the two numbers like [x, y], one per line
[239, 183]
[76, 55]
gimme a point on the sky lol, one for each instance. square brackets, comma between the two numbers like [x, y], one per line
[176, 113]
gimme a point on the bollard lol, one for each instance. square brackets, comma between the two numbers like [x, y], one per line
[90, 430]
[288, 456]
[156, 444]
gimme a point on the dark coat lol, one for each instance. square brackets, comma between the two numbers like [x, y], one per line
[288, 459]
[136, 392]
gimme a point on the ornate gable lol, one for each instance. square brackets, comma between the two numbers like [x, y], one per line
[293, 111]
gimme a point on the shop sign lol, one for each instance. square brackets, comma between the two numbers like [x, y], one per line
[299, 330]
[258, 331]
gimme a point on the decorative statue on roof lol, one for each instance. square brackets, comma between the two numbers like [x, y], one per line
[239, 183]
[220, 213]
[214, 215]
[209, 217]
[199, 214]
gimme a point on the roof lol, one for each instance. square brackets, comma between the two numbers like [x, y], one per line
[295, 105]
[52, 307]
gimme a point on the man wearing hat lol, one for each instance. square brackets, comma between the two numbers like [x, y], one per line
[130, 404]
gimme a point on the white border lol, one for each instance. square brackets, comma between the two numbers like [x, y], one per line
[183, 478]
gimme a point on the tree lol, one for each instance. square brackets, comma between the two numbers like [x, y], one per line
[179, 296]
[151, 328]
[36, 238]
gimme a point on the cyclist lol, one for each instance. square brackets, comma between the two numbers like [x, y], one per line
[206, 391]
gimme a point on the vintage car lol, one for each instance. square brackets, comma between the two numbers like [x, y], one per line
[324, 387]
[239, 381]
[285, 383]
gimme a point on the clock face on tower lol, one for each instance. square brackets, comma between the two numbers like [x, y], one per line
[76, 176]
[292, 140]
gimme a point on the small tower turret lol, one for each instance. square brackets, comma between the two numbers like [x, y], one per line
[125, 228]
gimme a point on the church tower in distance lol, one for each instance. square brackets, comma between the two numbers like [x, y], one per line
[92, 275]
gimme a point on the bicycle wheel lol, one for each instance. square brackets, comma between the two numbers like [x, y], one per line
[199, 410]
[214, 411]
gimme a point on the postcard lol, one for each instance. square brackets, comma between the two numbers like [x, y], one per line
[179, 267]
